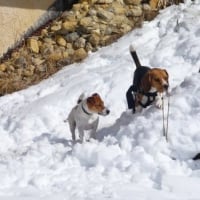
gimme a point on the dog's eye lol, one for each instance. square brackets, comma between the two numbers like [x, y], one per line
[99, 105]
[157, 79]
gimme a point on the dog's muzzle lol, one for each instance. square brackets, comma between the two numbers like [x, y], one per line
[104, 112]
[166, 86]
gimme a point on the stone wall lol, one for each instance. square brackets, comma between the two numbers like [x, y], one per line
[90, 24]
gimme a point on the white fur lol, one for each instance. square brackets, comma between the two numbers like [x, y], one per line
[158, 100]
[84, 122]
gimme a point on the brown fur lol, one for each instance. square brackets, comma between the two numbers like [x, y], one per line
[95, 103]
[153, 78]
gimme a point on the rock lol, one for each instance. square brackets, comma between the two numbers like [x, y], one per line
[3, 67]
[15, 55]
[104, 1]
[118, 9]
[88, 1]
[70, 51]
[41, 68]
[125, 28]
[134, 11]
[71, 37]
[69, 46]
[38, 61]
[65, 55]
[29, 72]
[64, 62]
[88, 47]
[49, 40]
[102, 28]
[108, 39]
[79, 43]
[82, 7]
[79, 54]
[19, 71]
[104, 15]
[85, 6]
[77, 7]
[108, 30]
[94, 39]
[68, 16]
[132, 2]
[32, 43]
[55, 27]
[117, 21]
[92, 12]
[60, 41]
[44, 32]
[86, 21]
[21, 62]
[10, 68]
[46, 49]
[150, 14]
[55, 56]
[87, 25]
[69, 26]
[154, 4]
[146, 7]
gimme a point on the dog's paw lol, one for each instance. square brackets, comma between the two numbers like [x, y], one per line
[159, 103]
[138, 109]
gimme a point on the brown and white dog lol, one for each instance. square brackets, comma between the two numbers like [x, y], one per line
[148, 87]
[85, 116]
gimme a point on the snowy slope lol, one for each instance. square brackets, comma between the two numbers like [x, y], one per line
[130, 159]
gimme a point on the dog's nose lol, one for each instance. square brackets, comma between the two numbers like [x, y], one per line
[107, 111]
[166, 86]
[104, 112]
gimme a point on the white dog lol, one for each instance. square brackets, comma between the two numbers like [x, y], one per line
[85, 116]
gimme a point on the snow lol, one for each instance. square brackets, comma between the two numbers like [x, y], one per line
[130, 158]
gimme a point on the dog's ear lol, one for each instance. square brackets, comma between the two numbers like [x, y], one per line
[95, 95]
[93, 98]
[146, 82]
[90, 100]
[166, 72]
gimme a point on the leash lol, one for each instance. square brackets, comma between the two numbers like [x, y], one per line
[165, 125]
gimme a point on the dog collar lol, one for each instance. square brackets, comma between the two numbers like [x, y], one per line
[85, 111]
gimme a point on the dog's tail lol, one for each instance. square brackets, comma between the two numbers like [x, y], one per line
[134, 56]
[81, 97]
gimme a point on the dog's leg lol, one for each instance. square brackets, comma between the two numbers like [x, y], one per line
[130, 98]
[158, 100]
[81, 134]
[143, 99]
[72, 126]
[138, 109]
[94, 129]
